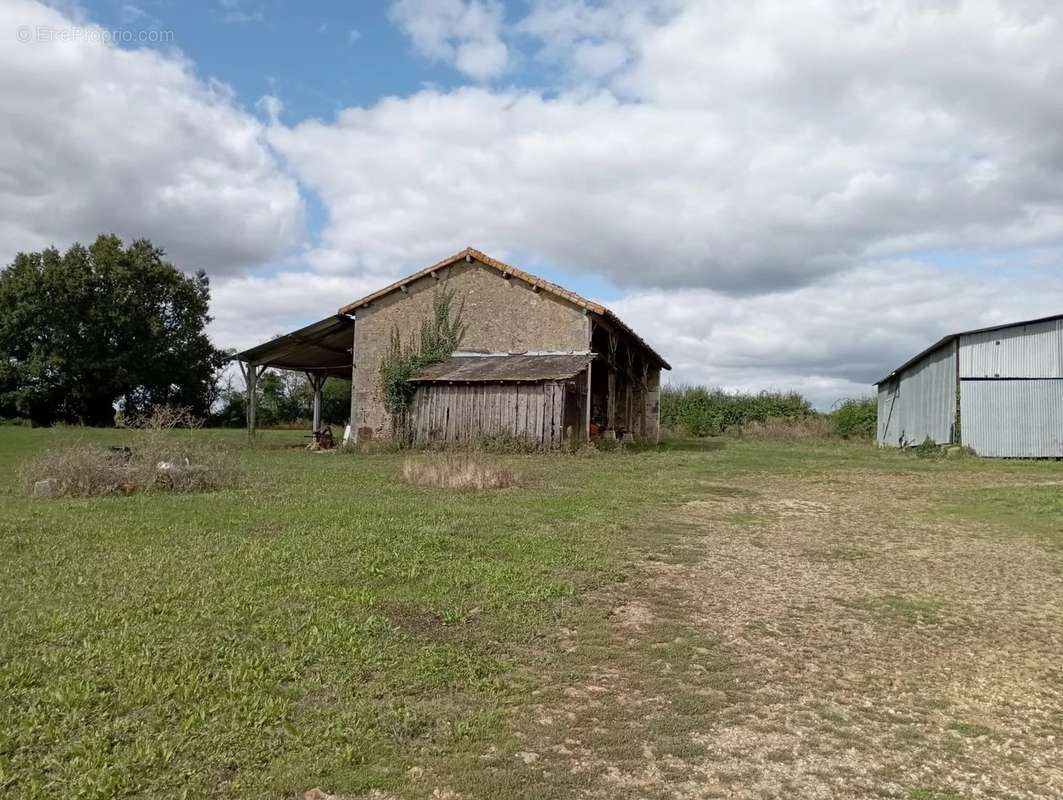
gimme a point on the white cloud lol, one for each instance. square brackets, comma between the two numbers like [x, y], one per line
[282, 302]
[463, 33]
[763, 179]
[744, 147]
[100, 139]
[592, 40]
[236, 11]
[767, 181]
[831, 339]
[271, 106]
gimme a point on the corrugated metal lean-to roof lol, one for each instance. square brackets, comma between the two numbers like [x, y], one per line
[321, 347]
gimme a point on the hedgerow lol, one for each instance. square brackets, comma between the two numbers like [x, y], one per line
[701, 411]
[856, 418]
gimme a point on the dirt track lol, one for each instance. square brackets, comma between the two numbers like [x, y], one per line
[813, 638]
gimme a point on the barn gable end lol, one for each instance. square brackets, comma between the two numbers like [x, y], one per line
[503, 315]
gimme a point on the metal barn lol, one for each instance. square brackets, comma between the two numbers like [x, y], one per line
[997, 390]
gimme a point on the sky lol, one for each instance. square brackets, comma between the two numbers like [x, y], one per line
[775, 194]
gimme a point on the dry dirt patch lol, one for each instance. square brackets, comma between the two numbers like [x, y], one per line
[823, 643]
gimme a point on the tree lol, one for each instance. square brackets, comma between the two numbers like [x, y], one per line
[284, 398]
[100, 327]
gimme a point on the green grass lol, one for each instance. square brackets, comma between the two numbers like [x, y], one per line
[324, 623]
[311, 628]
[1021, 510]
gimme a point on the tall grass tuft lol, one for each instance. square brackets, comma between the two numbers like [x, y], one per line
[459, 472]
[779, 429]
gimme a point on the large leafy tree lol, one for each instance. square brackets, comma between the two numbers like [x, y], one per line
[103, 326]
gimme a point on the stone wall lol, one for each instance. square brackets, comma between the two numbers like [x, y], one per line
[503, 315]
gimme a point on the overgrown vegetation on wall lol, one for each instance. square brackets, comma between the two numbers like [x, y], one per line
[440, 335]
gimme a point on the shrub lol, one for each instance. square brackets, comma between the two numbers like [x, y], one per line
[160, 457]
[856, 418]
[462, 472]
[701, 411]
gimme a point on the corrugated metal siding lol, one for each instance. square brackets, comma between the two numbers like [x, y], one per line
[464, 413]
[1016, 419]
[1022, 351]
[887, 402]
[925, 401]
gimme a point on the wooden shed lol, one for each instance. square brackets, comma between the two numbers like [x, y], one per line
[540, 399]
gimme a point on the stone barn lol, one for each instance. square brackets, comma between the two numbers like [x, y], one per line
[536, 362]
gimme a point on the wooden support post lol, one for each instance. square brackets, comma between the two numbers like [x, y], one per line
[587, 421]
[245, 370]
[252, 399]
[317, 383]
[610, 400]
[317, 405]
[354, 374]
[254, 372]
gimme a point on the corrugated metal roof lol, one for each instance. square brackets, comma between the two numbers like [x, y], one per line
[323, 346]
[504, 369]
[506, 269]
[951, 336]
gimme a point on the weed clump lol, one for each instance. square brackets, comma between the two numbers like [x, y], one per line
[928, 449]
[460, 472]
[163, 455]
